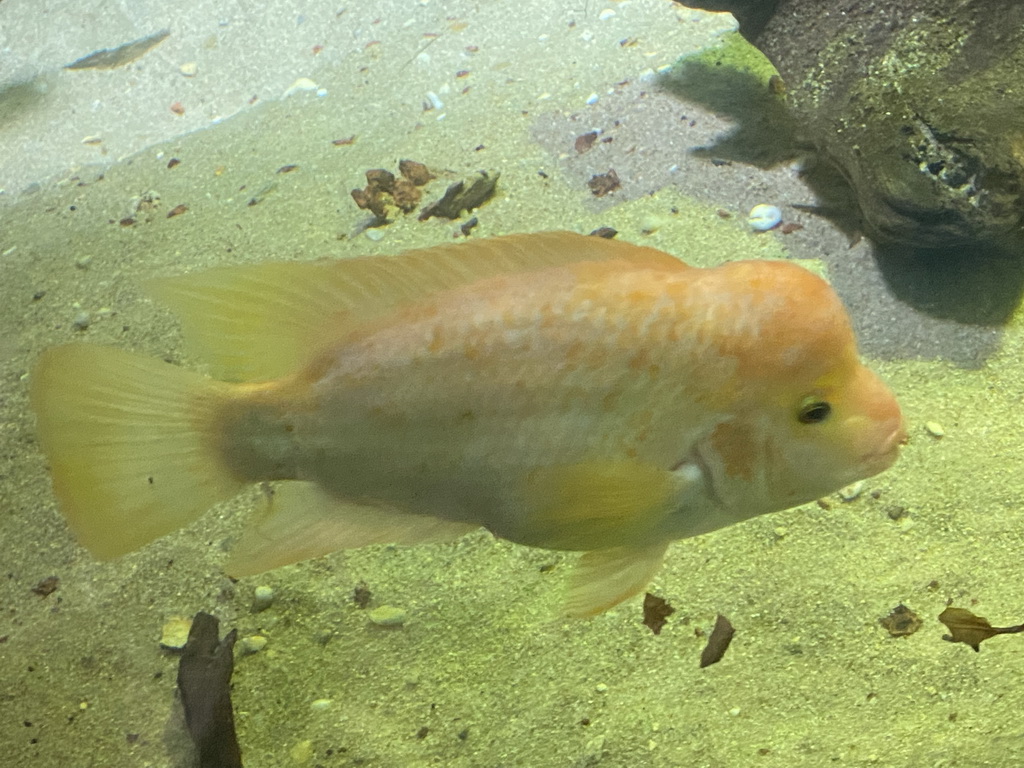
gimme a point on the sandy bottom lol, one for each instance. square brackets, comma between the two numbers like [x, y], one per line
[483, 673]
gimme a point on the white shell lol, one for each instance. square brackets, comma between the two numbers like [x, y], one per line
[764, 217]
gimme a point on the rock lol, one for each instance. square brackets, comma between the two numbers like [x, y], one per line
[916, 103]
[262, 598]
[174, 633]
[253, 644]
[388, 616]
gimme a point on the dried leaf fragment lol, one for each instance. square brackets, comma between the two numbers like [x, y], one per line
[718, 642]
[585, 141]
[47, 586]
[966, 627]
[458, 198]
[656, 612]
[901, 621]
[415, 172]
[604, 183]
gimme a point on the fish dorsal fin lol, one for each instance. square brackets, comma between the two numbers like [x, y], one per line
[302, 522]
[262, 321]
[604, 578]
[597, 504]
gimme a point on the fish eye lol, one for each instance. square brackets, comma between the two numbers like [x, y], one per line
[813, 411]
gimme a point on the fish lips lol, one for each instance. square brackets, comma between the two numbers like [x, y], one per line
[881, 459]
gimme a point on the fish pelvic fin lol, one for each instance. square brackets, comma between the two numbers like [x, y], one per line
[131, 443]
[597, 504]
[604, 578]
[301, 521]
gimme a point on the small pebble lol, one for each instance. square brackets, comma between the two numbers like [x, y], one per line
[651, 223]
[934, 429]
[388, 616]
[320, 705]
[764, 217]
[592, 98]
[189, 69]
[174, 633]
[253, 644]
[434, 100]
[262, 597]
[82, 321]
[374, 233]
[606, 14]
[852, 491]
[601, 688]
[302, 752]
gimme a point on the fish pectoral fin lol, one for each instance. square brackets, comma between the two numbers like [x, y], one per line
[597, 504]
[605, 577]
[302, 522]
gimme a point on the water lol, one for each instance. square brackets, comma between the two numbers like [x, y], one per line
[483, 672]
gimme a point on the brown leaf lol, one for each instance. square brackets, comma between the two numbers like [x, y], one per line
[966, 627]
[718, 642]
[47, 586]
[656, 612]
[601, 184]
[585, 141]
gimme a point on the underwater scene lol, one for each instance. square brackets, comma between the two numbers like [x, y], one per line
[511, 385]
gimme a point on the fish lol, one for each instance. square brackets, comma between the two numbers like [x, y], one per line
[562, 391]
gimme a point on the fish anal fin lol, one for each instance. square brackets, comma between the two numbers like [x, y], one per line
[604, 578]
[302, 522]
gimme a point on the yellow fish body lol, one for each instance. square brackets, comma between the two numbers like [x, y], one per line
[563, 391]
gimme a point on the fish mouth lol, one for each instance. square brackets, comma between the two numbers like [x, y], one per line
[884, 457]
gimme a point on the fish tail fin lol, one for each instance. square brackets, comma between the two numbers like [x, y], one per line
[131, 443]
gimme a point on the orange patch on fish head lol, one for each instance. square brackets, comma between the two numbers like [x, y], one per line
[807, 417]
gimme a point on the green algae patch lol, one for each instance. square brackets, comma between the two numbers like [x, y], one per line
[736, 54]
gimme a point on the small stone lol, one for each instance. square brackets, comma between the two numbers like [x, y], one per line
[764, 217]
[302, 752]
[388, 616]
[606, 14]
[934, 429]
[82, 321]
[651, 223]
[375, 234]
[601, 688]
[174, 634]
[263, 596]
[189, 69]
[253, 644]
[852, 491]
[320, 705]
